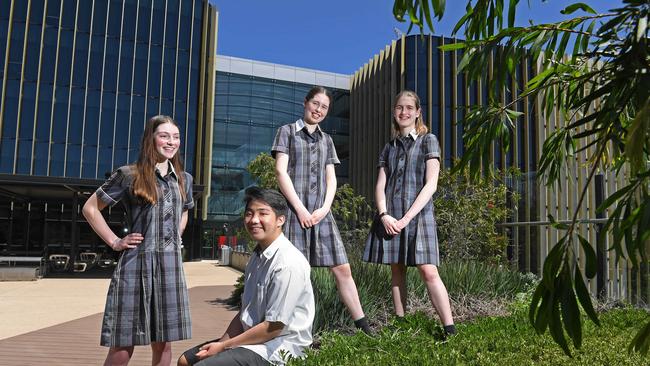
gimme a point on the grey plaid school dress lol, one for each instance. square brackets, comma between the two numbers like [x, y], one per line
[147, 299]
[308, 155]
[404, 160]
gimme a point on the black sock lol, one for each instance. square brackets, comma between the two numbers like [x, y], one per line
[450, 329]
[362, 324]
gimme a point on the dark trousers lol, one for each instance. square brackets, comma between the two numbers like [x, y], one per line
[238, 356]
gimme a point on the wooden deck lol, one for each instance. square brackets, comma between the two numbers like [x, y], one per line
[77, 342]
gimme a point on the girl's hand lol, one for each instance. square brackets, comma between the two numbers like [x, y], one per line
[306, 220]
[318, 215]
[402, 223]
[390, 225]
[128, 242]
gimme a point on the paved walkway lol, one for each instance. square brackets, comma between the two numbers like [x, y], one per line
[57, 321]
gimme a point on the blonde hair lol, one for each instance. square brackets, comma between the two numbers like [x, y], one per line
[420, 127]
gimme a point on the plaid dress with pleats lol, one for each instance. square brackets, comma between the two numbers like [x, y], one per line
[404, 160]
[147, 298]
[308, 156]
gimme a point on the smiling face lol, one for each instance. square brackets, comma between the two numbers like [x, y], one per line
[262, 223]
[316, 109]
[406, 113]
[167, 140]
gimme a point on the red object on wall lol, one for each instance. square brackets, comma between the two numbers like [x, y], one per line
[221, 241]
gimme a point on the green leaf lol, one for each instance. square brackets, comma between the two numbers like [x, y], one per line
[539, 78]
[584, 46]
[590, 257]
[628, 235]
[614, 197]
[643, 228]
[642, 28]
[641, 341]
[462, 21]
[438, 8]
[570, 311]
[637, 138]
[544, 312]
[555, 323]
[399, 9]
[424, 6]
[552, 263]
[453, 46]
[561, 49]
[577, 6]
[512, 10]
[557, 225]
[537, 296]
[490, 18]
[413, 17]
[583, 296]
[612, 23]
[576, 47]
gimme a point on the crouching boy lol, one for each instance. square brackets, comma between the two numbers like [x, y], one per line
[277, 309]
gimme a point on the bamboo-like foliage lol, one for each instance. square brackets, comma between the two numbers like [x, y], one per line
[594, 70]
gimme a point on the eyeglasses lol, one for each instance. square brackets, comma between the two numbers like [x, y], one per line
[317, 105]
[400, 108]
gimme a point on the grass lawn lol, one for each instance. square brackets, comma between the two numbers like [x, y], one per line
[502, 341]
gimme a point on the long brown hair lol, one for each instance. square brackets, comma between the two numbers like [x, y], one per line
[144, 181]
[420, 127]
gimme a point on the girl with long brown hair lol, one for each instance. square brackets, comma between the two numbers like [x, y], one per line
[147, 301]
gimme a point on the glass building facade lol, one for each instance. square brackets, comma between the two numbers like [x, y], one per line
[253, 99]
[90, 73]
[78, 80]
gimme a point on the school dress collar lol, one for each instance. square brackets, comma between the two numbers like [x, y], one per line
[413, 134]
[170, 171]
[300, 124]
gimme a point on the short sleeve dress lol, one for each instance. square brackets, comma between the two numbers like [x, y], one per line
[147, 298]
[309, 154]
[404, 160]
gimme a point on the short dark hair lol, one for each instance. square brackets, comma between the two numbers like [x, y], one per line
[271, 197]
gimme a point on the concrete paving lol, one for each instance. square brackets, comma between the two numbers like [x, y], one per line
[27, 306]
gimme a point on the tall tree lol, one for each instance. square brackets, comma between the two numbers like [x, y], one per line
[595, 71]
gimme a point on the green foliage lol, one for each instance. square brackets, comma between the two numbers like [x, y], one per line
[463, 279]
[417, 340]
[594, 73]
[262, 169]
[350, 210]
[236, 294]
[467, 213]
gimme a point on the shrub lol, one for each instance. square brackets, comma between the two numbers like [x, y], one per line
[350, 210]
[472, 286]
[467, 214]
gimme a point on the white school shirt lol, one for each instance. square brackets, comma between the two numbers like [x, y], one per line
[277, 288]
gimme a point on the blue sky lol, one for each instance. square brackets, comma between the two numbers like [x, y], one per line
[336, 36]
